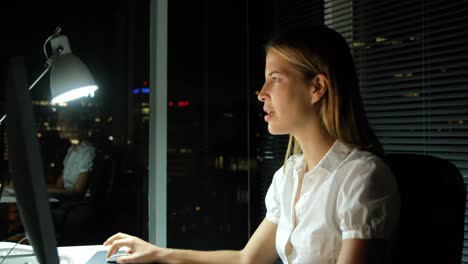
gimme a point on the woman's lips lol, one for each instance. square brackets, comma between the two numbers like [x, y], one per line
[268, 116]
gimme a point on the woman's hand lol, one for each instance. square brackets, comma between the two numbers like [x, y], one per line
[141, 251]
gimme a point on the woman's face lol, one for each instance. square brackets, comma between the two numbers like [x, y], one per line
[69, 128]
[286, 96]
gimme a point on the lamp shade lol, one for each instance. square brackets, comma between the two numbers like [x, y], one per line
[70, 79]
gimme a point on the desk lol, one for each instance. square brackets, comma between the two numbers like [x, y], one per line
[81, 254]
[9, 198]
[69, 255]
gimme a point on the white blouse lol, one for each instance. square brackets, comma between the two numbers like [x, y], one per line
[349, 194]
[79, 159]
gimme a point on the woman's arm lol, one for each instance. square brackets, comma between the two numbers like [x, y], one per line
[77, 191]
[259, 249]
[363, 251]
[58, 183]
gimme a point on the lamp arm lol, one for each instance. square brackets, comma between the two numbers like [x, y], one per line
[3, 118]
[49, 63]
[32, 86]
[40, 77]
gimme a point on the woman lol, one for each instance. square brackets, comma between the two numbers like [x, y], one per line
[77, 164]
[334, 200]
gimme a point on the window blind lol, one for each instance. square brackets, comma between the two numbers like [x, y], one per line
[412, 61]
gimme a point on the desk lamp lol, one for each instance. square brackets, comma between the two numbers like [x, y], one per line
[69, 78]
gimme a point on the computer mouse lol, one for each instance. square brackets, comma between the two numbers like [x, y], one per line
[113, 258]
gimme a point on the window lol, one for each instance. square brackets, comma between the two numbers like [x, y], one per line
[112, 41]
[412, 62]
[207, 157]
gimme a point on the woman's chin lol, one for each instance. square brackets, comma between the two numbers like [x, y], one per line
[275, 131]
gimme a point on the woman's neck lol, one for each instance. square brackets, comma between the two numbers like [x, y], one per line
[315, 143]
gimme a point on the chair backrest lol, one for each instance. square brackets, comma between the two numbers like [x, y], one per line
[432, 210]
[86, 221]
[100, 183]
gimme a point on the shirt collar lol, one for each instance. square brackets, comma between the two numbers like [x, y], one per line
[82, 145]
[332, 159]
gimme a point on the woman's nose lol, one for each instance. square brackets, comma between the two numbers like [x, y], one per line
[261, 95]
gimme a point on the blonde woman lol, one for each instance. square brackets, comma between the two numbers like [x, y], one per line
[334, 200]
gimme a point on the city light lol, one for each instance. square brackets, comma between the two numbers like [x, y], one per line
[183, 103]
[145, 110]
[380, 39]
[142, 90]
[180, 103]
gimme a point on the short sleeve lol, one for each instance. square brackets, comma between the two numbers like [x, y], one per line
[368, 201]
[86, 160]
[272, 200]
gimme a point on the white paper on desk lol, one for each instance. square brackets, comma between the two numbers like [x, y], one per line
[8, 191]
[5, 248]
[29, 256]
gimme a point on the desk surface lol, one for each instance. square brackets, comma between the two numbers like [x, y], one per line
[80, 254]
[77, 254]
[8, 196]
[8, 199]
[12, 199]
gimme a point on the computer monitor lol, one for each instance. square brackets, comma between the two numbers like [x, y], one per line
[3, 182]
[25, 165]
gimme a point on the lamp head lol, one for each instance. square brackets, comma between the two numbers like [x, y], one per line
[69, 78]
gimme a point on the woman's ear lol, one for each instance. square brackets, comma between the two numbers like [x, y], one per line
[319, 87]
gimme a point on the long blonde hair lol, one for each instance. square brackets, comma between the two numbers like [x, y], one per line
[321, 50]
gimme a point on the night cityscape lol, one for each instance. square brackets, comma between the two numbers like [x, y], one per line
[220, 156]
[207, 168]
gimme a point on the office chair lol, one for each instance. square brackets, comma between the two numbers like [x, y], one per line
[84, 221]
[432, 210]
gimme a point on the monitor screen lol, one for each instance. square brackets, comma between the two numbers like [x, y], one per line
[25, 165]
